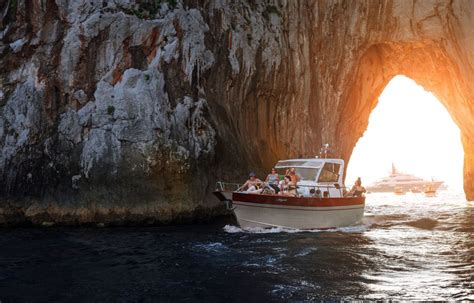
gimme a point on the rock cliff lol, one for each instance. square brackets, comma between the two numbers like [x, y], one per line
[127, 111]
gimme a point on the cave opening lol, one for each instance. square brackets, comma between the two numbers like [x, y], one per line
[410, 128]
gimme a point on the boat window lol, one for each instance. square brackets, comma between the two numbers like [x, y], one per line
[305, 174]
[329, 173]
[408, 180]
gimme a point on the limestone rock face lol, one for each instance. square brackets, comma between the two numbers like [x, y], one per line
[128, 111]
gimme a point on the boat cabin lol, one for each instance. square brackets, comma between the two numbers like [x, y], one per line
[323, 174]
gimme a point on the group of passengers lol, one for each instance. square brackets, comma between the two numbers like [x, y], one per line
[288, 185]
[273, 185]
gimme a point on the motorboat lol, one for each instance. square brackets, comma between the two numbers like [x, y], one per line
[430, 191]
[399, 191]
[330, 208]
[402, 182]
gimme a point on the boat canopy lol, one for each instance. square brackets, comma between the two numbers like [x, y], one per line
[307, 163]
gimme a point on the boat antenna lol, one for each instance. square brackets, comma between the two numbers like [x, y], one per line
[394, 170]
[324, 151]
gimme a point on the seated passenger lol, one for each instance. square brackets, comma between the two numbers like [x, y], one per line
[283, 185]
[287, 187]
[252, 184]
[357, 190]
[273, 180]
[292, 174]
[268, 190]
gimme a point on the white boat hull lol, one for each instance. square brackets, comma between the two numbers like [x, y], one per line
[250, 216]
[430, 194]
[267, 213]
[406, 187]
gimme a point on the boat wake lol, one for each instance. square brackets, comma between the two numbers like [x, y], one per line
[232, 229]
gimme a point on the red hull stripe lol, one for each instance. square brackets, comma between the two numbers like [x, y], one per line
[300, 209]
[297, 201]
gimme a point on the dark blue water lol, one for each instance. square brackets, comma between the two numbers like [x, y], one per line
[407, 248]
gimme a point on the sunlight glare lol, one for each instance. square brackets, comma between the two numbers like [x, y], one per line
[411, 128]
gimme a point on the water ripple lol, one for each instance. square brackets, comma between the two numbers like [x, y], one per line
[407, 248]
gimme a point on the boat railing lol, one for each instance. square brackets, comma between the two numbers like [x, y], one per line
[336, 186]
[232, 187]
[227, 186]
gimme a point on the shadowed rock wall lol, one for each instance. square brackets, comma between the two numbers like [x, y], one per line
[127, 111]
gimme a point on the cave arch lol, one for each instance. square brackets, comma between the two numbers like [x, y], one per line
[430, 66]
[410, 128]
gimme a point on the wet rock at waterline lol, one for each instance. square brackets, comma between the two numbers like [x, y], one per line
[128, 112]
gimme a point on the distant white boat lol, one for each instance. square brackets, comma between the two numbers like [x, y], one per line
[402, 182]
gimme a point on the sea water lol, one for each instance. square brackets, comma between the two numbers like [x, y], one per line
[407, 248]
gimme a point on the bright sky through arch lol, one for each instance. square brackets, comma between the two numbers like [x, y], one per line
[410, 127]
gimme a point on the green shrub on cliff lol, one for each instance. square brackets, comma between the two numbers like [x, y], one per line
[148, 9]
[110, 110]
[271, 9]
[9, 15]
[249, 39]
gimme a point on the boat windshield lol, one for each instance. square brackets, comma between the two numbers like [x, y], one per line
[330, 173]
[305, 174]
[294, 163]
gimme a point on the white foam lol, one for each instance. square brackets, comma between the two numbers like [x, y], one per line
[270, 263]
[246, 264]
[306, 251]
[211, 247]
[258, 230]
[231, 229]
[275, 230]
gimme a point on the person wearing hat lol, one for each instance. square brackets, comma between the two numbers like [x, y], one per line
[287, 187]
[252, 184]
